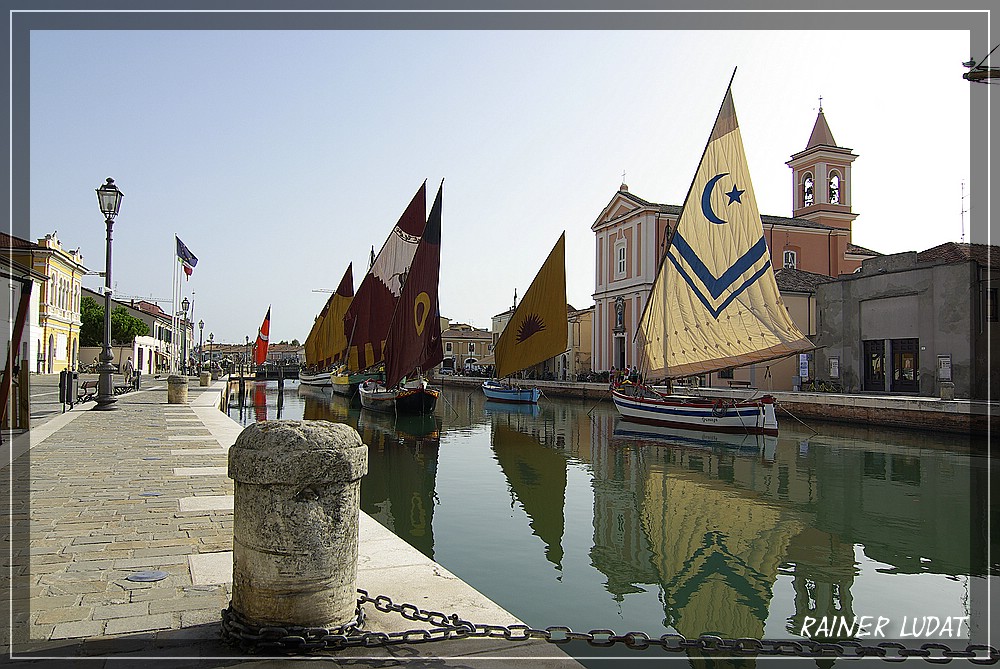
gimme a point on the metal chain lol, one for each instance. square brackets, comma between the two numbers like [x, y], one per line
[295, 640]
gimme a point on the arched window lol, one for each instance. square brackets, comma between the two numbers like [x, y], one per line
[834, 188]
[807, 190]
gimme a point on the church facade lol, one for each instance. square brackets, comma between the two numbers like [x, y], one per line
[631, 236]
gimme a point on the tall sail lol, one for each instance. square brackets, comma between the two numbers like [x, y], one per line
[333, 329]
[370, 313]
[315, 344]
[537, 330]
[715, 303]
[414, 339]
[260, 346]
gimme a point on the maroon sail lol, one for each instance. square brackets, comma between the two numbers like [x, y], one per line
[367, 320]
[414, 340]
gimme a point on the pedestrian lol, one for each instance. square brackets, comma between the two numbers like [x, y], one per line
[128, 370]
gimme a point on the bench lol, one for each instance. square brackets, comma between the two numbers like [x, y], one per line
[739, 384]
[86, 391]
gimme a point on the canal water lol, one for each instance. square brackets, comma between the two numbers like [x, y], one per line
[566, 516]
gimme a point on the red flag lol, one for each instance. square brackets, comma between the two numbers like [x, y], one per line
[260, 347]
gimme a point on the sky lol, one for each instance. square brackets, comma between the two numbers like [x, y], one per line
[279, 157]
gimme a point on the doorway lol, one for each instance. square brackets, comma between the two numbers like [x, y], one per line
[905, 363]
[874, 365]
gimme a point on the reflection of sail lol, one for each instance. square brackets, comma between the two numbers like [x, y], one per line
[537, 477]
[260, 401]
[398, 490]
[717, 552]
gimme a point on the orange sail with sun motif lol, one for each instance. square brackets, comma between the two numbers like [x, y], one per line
[538, 329]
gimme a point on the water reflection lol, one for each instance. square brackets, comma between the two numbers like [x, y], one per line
[693, 533]
[398, 490]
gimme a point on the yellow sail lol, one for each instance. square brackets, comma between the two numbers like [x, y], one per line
[715, 303]
[537, 330]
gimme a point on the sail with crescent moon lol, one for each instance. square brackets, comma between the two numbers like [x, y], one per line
[414, 339]
[715, 303]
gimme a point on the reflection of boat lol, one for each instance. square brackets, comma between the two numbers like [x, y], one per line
[320, 404]
[402, 427]
[660, 435]
[714, 303]
[507, 407]
[326, 343]
[413, 336]
[536, 330]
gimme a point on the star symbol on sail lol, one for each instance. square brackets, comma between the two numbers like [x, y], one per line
[734, 195]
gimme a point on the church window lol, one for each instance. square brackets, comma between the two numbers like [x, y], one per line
[620, 258]
[835, 188]
[807, 191]
[790, 259]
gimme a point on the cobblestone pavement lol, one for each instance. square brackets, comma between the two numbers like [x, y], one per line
[103, 495]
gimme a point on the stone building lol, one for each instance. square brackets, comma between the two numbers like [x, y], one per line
[912, 323]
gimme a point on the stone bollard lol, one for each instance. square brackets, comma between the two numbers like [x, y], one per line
[204, 379]
[295, 523]
[177, 389]
[947, 390]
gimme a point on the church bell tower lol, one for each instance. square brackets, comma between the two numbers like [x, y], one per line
[821, 179]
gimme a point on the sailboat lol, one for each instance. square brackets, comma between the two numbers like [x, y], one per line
[536, 331]
[714, 303]
[326, 344]
[413, 341]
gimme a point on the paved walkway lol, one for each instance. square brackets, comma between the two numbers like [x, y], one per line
[98, 496]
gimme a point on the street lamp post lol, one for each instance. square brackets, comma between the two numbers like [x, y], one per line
[110, 199]
[211, 341]
[185, 304]
[201, 344]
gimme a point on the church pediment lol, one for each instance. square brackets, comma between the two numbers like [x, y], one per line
[622, 204]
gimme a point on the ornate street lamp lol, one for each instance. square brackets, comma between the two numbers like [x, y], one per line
[110, 199]
[185, 304]
[201, 344]
[211, 341]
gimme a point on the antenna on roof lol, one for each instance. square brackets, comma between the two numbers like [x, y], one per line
[962, 213]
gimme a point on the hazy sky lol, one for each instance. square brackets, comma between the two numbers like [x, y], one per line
[280, 157]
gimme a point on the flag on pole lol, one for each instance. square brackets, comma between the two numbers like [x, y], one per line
[188, 259]
[260, 347]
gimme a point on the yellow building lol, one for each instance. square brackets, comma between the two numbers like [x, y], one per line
[56, 339]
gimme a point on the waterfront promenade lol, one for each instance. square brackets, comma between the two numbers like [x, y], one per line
[99, 496]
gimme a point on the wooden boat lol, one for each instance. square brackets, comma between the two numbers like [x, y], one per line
[714, 303]
[536, 331]
[500, 392]
[412, 338]
[326, 343]
[346, 383]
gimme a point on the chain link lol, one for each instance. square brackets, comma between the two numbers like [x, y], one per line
[292, 640]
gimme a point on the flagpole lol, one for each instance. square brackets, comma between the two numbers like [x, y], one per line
[173, 311]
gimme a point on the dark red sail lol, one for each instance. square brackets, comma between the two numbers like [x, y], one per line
[414, 340]
[367, 320]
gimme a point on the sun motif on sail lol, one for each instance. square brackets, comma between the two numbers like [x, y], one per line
[531, 324]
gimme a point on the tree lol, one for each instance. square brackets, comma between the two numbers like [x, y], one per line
[124, 327]
[295, 342]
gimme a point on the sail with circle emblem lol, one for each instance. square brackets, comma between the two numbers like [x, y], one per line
[715, 303]
[414, 339]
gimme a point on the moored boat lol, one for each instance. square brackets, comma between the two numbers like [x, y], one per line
[314, 377]
[413, 397]
[326, 343]
[499, 392]
[714, 303]
[402, 281]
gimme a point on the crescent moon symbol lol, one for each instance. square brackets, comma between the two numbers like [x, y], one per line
[706, 200]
